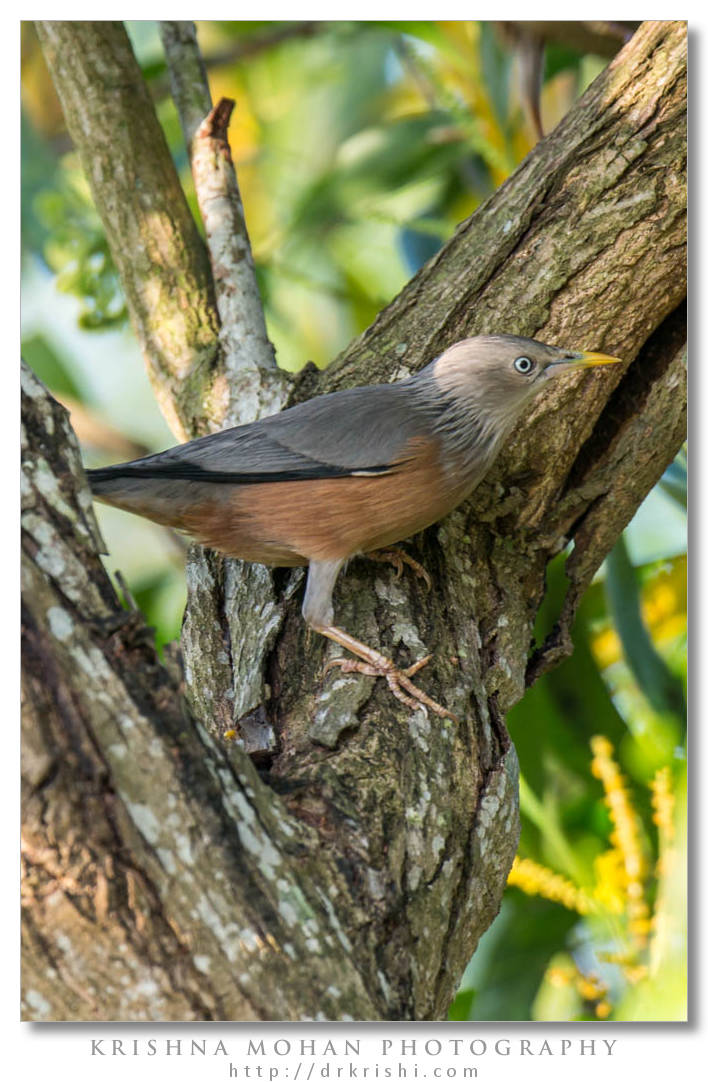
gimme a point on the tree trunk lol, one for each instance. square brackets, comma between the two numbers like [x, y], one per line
[351, 877]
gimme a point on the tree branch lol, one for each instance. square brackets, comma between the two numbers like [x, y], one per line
[602, 38]
[189, 84]
[157, 249]
[583, 246]
[128, 805]
[252, 384]
[255, 385]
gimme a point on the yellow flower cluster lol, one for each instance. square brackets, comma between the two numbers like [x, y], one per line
[626, 837]
[663, 611]
[665, 607]
[621, 875]
[594, 990]
[589, 986]
[662, 801]
[534, 878]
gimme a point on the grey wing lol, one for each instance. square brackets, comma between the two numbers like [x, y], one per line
[361, 431]
[365, 428]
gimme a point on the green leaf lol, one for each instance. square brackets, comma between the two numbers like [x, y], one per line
[430, 32]
[38, 167]
[552, 725]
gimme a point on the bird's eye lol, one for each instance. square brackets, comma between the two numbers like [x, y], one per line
[523, 365]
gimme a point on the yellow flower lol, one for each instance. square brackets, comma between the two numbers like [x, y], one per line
[610, 881]
[590, 986]
[662, 801]
[534, 878]
[559, 977]
[626, 837]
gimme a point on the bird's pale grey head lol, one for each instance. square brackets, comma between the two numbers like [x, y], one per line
[502, 372]
[490, 379]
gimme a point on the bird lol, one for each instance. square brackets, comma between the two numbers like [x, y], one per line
[347, 473]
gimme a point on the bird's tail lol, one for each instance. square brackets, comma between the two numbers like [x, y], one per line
[144, 490]
[102, 479]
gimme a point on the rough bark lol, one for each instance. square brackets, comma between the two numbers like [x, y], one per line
[146, 849]
[354, 875]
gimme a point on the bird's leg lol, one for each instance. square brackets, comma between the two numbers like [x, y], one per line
[374, 663]
[318, 613]
[398, 558]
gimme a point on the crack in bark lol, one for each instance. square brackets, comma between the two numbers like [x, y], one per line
[626, 402]
[630, 395]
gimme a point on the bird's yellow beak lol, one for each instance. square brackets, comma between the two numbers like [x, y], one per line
[586, 360]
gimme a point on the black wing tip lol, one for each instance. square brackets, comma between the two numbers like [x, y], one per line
[181, 471]
[99, 477]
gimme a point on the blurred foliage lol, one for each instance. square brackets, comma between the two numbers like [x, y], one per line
[359, 148]
[76, 249]
[39, 170]
[593, 924]
[652, 675]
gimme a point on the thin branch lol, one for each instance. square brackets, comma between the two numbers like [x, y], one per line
[178, 42]
[528, 39]
[600, 38]
[256, 385]
[253, 385]
[189, 85]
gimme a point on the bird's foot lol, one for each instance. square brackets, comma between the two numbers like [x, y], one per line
[398, 680]
[373, 663]
[398, 558]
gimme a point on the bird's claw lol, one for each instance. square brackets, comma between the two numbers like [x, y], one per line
[397, 680]
[398, 558]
